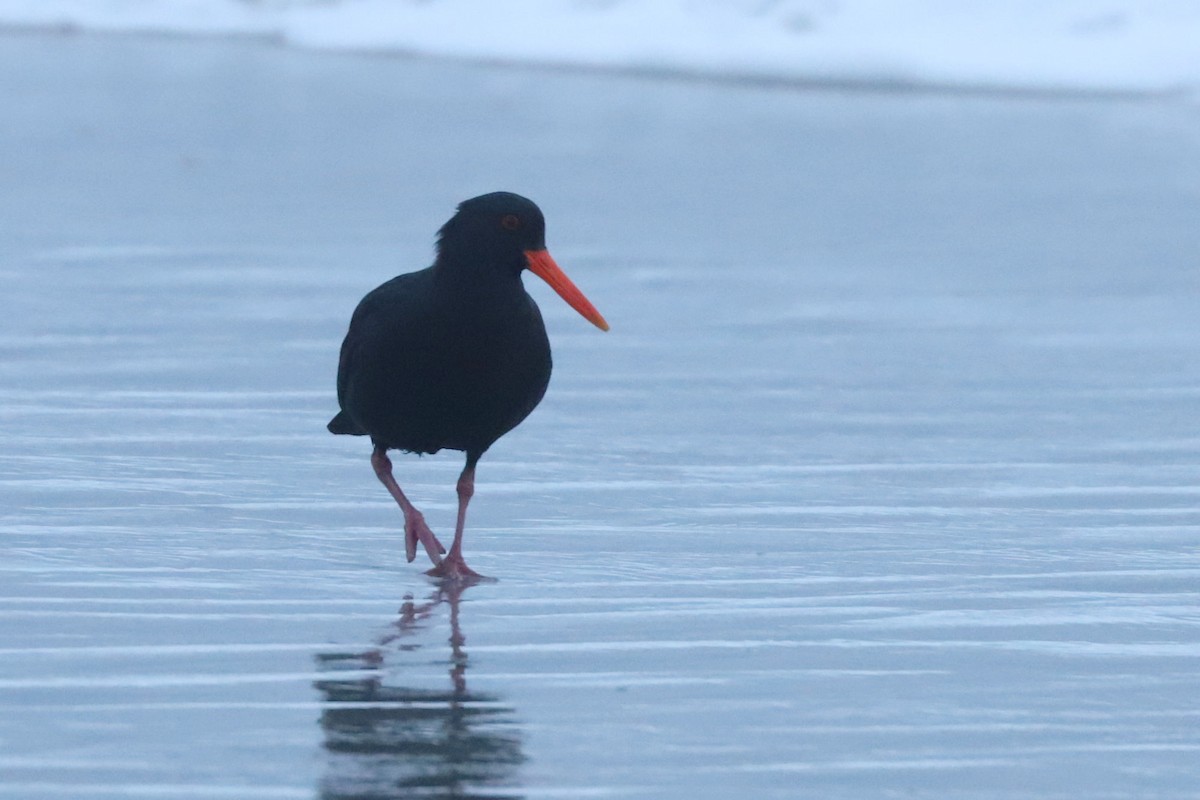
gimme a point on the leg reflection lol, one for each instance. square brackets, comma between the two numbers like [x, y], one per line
[394, 729]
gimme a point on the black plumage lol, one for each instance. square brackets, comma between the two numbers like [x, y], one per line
[455, 355]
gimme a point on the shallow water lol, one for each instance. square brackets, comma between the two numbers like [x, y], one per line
[885, 482]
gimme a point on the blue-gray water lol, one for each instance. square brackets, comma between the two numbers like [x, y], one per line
[886, 481]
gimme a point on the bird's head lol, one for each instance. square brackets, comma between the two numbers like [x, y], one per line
[506, 229]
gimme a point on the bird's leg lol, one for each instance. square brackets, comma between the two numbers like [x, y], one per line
[415, 528]
[453, 567]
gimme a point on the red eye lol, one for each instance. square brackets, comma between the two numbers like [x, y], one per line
[510, 222]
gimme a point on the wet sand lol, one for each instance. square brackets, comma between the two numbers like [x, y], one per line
[886, 480]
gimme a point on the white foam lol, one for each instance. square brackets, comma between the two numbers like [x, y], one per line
[1123, 45]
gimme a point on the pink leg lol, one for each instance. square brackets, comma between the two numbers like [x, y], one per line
[453, 567]
[415, 528]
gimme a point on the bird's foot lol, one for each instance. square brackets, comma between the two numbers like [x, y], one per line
[415, 530]
[453, 569]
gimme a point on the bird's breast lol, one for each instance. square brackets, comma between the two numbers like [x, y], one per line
[456, 379]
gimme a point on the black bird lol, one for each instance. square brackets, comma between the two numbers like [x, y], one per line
[453, 356]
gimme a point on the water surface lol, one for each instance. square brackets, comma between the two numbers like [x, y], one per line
[886, 480]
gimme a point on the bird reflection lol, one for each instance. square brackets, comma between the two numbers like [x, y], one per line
[386, 742]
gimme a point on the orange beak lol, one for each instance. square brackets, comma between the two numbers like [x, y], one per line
[542, 265]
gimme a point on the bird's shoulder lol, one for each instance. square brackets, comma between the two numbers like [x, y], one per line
[402, 295]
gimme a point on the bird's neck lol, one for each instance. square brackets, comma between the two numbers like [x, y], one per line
[475, 282]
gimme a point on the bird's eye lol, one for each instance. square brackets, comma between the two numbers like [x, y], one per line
[510, 222]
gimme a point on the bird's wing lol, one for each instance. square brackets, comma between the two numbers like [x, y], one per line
[376, 311]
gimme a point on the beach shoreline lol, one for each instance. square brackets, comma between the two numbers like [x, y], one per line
[884, 478]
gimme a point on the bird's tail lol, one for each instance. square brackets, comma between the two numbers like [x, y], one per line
[343, 424]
